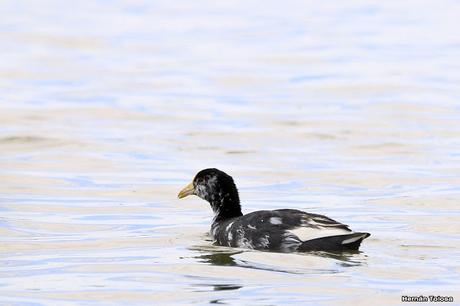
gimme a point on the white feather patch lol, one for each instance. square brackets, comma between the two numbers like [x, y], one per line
[214, 230]
[228, 227]
[275, 220]
[290, 242]
[353, 239]
[308, 233]
[264, 242]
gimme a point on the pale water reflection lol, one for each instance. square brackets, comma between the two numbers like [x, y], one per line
[349, 109]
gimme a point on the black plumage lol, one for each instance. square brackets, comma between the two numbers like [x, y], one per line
[282, 230]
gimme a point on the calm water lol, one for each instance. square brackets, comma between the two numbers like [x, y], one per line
[344, 108]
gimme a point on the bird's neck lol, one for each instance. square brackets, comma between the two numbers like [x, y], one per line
[226, 207]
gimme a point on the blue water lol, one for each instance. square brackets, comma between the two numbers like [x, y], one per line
[349, 109]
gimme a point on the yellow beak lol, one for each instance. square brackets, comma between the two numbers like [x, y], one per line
[188, 190]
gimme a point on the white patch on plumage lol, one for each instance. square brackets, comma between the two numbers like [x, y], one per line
[276, 220]
[289, 238]
[251, 227]
[200, 190]
[318, 227]
[243, 242]
[264, 242]
[316, 221]
[240, 232]
[290, 242]
[319, 218]
[305, 233]
[214, 230]
[353, 239]
[206, 190]
[229, 233]
[228, 226]
[216, 214]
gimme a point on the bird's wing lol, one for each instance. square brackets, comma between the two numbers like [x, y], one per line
[306, 226]
[287, 229]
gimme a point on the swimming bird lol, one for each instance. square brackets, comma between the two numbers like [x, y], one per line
[281, 230]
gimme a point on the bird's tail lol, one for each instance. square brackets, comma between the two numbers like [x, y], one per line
[334, 243]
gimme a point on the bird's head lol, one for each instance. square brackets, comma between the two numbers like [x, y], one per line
[217, 188]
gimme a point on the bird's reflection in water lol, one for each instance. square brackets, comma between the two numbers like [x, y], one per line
[216, 257]
[216, 287]
[344, 259]
[219, 258]
[226, 257]
[226, 287]
[222, 256]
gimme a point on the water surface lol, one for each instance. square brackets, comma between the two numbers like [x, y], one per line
[107, 109]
